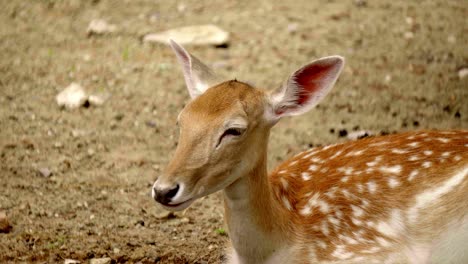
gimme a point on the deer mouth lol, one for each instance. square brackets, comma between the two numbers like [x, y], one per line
[178, 206]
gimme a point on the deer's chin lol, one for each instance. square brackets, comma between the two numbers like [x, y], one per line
[179, 206]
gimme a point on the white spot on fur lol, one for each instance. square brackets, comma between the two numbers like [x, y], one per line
[446, 154]
[346, 193]
[325, 229]
[371, 250]
[338, 153]
[457, 158]
[354, 153]
[350, 240]
[413, 144]
[428, 152]
[323, 170]
[286, 203]
[316, 160]
[393, 169]
[323, 206]
[346, 170]
[370, 224]
[426, 198]
[338, 213]
[334, 221]
[399, 151]
[313, 167]
[292, 163]
[392, 182]
[394, 226]
[383, 242]
[284, 182]
[372, 187]
[360, 188]
[315, 201]
[321, 244]
[305, 176]
[413, 158]
[306, 210]
[443, 140]
[427, 164]
[356, 221]
[341, 253]
[413, 174]
[283, 172]
[345, 179]
[357, 211]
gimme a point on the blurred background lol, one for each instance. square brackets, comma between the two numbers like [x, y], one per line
[89, 104]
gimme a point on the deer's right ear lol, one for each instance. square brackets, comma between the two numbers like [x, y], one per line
[305, 88]
[198, 76]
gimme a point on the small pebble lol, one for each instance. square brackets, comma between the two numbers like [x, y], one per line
[45, 172]
[100, 261]
[71, 261]
[462, 73]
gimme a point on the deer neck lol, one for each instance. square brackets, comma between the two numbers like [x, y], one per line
[253, 215]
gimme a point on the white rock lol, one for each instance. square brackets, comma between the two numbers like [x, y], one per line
[462, 73]
[71, 261]
[45, 172]
[408, 35]
[97, 100]
[100, 261]
[359, 134]
[99, 27]
[191, 35]
[72, 97]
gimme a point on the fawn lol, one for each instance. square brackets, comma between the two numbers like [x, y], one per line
[391, 199]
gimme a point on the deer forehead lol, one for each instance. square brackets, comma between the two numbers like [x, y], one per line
[229, 99]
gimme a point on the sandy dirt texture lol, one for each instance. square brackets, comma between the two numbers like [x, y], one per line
[75, 184]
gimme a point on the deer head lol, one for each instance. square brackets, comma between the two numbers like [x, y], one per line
[224, 129]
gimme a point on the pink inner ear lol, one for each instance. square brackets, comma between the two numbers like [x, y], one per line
[310, 79]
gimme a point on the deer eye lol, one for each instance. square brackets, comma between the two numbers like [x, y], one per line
[230, 132]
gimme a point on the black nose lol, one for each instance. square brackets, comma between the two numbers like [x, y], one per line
[165, 196]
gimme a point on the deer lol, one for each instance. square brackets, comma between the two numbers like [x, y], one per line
[398, 198]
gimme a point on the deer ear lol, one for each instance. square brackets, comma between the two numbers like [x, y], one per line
[306, 87]
[198, 76]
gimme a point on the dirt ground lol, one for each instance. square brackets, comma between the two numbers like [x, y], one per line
[402, 73]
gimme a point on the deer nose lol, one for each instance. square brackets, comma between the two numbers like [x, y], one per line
[164, 196]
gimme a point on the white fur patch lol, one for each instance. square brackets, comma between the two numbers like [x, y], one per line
[399, 151]
[313, 167]
[427, 164]
[429, 196]
[305, 176]
[394, 226]
[392, 182]
[341, 253]
[357, 211]
[284, 182]
[372, 187]
[413, 174]
[428, 152]
[413, 144]
[443, 140]
[286, 203]
[338, 153]
[393, 169]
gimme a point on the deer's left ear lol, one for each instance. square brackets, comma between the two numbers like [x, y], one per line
[198, 76]
[306, 87]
